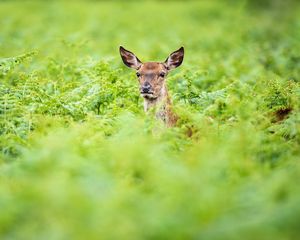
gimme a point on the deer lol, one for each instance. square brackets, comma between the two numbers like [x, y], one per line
[152, 83]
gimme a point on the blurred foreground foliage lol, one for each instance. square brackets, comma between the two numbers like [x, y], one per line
[81, 160]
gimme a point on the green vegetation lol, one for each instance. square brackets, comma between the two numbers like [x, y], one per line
[79, 159]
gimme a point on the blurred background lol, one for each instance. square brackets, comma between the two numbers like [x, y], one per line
[79, 159]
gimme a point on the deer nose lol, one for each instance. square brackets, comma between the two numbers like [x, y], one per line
[146, 87]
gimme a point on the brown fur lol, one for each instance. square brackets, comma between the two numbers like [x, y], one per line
[152, 76]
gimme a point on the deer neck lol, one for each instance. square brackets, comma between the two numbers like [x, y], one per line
[162, 107]
[158, 102]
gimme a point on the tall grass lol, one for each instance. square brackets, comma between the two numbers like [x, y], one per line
[81, 160]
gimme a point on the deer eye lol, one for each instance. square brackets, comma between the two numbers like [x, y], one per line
[162, 74]
[138, 74]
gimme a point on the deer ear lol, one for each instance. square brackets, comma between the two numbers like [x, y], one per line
[129, 58]
[175, 59]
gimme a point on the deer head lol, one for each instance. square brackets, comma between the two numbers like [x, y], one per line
[152, 75]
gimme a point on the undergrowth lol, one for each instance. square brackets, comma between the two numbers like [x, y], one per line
[79, 159]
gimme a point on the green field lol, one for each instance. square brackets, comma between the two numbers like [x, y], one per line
[79, 158]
